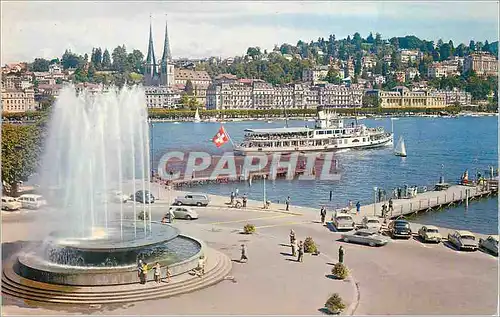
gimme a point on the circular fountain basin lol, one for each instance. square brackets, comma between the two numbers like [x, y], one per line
[108, 260]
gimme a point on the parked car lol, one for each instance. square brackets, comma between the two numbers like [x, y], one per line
[343, 221]
[371, 223]
[370, 237]
[10, 203]
[490, 244]
[400, 229]
[463, 240]
[32, 201]
[192, 200]
[117, 196]
[143, 196]
[430, 234]
[183, 213]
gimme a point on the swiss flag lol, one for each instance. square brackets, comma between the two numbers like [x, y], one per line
[221, 137]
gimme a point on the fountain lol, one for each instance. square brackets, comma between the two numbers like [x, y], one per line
[97, 144]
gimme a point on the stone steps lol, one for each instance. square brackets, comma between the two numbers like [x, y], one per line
[16, 286]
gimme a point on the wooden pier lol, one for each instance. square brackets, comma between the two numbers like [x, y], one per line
[432, 200]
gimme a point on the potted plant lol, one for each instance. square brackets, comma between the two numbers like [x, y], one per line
[335, 304]
[249, 229]
[310, 246]
[340, 271]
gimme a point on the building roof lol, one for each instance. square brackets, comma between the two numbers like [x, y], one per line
[226, 76]
[279, 130]
[185, 74]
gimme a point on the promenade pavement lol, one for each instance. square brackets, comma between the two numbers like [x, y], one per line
[403, 277]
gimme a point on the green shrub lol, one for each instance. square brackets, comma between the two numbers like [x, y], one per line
[340, 271]
[310, 245]
[249, 228]
[335, 304]
[143, 214]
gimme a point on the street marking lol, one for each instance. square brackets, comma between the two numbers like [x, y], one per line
[284, 224]
[252, 219]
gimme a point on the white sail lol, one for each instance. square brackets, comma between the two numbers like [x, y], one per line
[197, 116]
[400, 149]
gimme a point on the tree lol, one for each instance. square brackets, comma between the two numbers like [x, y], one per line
[370, 38]
[135, 61]
[445, 51]
[70, 60]
[472, 46]
[253, 52]
[460, 51]
[106, 60]
[21, 149]
[333, 77]
[486, 46]
[120, 62]
[40, 65]
[189, 87]
[96, 58]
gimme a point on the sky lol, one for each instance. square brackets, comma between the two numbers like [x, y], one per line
[31, 29]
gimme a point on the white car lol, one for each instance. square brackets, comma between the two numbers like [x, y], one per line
[372, 223]
[463, 239]
[343, 221]
[183, 213]
[9, 203]
[32, 201]
[117, 196]
[490, 244]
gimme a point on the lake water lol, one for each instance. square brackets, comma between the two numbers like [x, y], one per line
[434, 146]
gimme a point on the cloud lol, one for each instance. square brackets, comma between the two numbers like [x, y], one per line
[199, 29]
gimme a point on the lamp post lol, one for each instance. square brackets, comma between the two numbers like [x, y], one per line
[264, 190]
[375, 200]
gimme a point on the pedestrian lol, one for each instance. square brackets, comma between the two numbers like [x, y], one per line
[384, 210]
[294, 248]
[358, 207]
[168, 274]
[237, 191]
[144, 273]
[288, 203]
[232, 198]
[201, 266]
[157, 269]
[349, 205]
[292, 236]
[341, 254]
[243, 253]
[245, 200]
[301, 252]
[391, 206]
[139, 271]
[323, 214]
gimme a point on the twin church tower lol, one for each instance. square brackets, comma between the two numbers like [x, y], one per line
[159, 73]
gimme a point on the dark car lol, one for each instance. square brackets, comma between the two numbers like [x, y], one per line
[400, 229]
[143, 196]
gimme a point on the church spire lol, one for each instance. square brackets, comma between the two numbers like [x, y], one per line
[167, 55]
[150, 72]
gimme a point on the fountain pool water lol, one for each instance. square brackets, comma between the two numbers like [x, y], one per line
[96, 143]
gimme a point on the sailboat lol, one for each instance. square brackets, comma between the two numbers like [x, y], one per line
[400, 149]
[197, 116]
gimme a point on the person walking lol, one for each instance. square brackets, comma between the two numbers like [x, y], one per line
[157, 269]
[288, 203]
[243, 254]
[323, 214]
[358, 207]
[232, 198]
[294, 248]
[245, 200]
[139, 271]
[168, 274]
[341, 254]
[391, 206]
[237, 192]
[144, 273]
[292, 236]
[301, 252]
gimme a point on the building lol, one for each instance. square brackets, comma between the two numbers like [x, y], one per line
[436, 70]
[400, 76]
[200, 80]
[159, 73]
[161, 97]
[18, 100]
[90, 88]
[369, 62]
[411, 73]
[314, 75]
[410, 55]
[402, 97]
[483, 63]
[257, 94]
[455, 97]
[17, 81]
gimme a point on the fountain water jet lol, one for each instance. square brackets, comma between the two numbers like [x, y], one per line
[95, 244]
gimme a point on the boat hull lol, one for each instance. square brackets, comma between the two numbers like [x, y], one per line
[238, 150]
